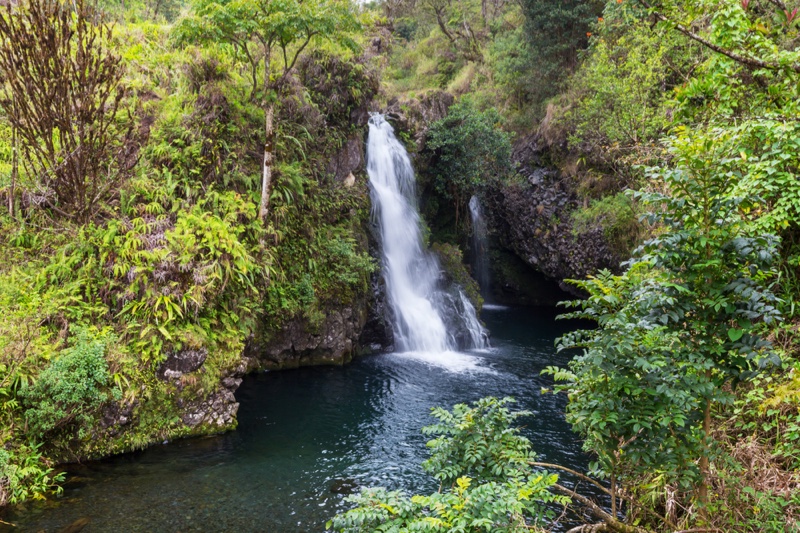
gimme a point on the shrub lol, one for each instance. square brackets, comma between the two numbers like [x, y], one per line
[470, 150]
[616, 215]
[489, 485]
[70, 388]
[25, 474]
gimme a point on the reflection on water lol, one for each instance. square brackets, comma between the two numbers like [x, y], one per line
[306, 437]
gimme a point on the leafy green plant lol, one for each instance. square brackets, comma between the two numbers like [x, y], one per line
[616, 215]
[487, 482]
[470, 151]
[557, 31]
[25, 474]
[72, 387]
[685, 322]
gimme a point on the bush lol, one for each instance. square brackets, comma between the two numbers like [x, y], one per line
[470, 150]
[616, 215]
[70, 388]
[489, 485]
[25, 474]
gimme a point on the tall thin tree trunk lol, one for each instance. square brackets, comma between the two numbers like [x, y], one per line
[266, 177]
[269, 145]
[14, 169]
[704, 466]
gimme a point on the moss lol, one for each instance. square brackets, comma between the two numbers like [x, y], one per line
[451, 260]
[616, 215]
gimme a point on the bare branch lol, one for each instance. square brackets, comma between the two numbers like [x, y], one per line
[61, 96]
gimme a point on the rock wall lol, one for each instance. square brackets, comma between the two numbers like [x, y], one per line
[299, 343]
[532, 219]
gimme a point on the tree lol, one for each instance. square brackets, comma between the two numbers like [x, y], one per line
[558, 30]
[453, 19]
[272, 33]
[749, 35]
[677, 329]
[469, 151]
[61, 95]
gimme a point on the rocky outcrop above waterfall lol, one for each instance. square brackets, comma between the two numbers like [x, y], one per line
[532, 218]
[415, 115]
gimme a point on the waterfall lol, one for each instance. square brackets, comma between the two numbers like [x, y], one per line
[480, 247]
[425, 319]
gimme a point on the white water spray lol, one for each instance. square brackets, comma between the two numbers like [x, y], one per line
[411, 274]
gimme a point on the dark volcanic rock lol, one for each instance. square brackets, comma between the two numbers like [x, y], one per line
[350, 159]
[299, 343]
[115, 416]
[181, 362]
[533, 220]
[416, 115]
[377, 335]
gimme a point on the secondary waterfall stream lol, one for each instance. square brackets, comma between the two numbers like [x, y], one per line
[480, 246]
[427, 317]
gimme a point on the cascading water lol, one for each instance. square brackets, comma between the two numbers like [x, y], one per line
[480, 247]
[422, 316]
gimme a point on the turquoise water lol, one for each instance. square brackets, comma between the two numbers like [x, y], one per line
[307, 436]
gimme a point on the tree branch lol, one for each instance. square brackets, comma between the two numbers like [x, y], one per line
[574, 473]
[610, 522]
[778, 3]
[744, 60]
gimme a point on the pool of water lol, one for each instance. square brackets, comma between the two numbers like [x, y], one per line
[308, 436]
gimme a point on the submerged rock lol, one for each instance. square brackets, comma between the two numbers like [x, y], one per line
[76, 526]
[344, 486]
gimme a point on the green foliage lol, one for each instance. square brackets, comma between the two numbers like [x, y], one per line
[634, 402]
[682, 324]
[192, 151]
[557, 31]
[619, 99]
[616, 215]
[72, 387]
[488, 484]
[287, 26]
[452, 262]
[25, 474]
[770, 412]
[321, 256]
[511, 56]
[470, 151]
[478, 442]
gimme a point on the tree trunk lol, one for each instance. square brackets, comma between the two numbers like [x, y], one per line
[266, 177]
[702, 493]
[14, 170]
[269, 138]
